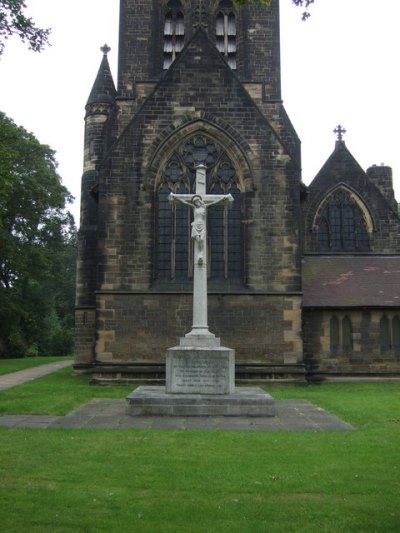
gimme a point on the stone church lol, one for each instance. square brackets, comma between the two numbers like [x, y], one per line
[303, 281]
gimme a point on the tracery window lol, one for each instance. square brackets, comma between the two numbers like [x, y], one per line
[174, 248]
[342, 227]
[225, 32]
[174, 32]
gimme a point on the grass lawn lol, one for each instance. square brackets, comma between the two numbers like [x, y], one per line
[13, 365]
[55, 394]
[203, 481]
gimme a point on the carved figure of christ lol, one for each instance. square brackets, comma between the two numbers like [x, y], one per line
[200, 202]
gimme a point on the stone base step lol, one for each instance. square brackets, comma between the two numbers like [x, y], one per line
[155, 401]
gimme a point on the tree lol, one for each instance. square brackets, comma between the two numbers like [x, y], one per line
[298, 3]
[37, 237]
[13, 21]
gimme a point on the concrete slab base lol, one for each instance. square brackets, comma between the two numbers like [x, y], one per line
[155, 401]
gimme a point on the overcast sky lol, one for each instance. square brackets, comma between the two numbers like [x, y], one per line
[341, 66]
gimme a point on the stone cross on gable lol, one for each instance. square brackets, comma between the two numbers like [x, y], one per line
[105, 49]
[200, 202]
[340, 131]
[200, 16]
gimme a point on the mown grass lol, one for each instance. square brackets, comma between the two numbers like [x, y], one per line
[55, 394]
[14, 365]
[202, 481]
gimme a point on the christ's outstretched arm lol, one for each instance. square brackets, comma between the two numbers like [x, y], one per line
[220, 199]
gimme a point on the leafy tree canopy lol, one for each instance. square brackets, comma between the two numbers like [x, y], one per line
[13, 21]
[299, 3]
[37, 238]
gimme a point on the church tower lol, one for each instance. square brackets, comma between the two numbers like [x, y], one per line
[198, 82]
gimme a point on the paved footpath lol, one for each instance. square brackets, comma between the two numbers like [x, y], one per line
[291, 415]
[17, 378]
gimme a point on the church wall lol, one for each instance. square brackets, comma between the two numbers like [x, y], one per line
[138, 328]
[141, 42]
[342, 169]
[136, 43]
[136, 320]
[259, 53]
[382, 177]
[96, 132]
[126, 195]
[123, 316]
[366, 355]
[127, 227]
[279, 120]
[86, 266]
[85, 324]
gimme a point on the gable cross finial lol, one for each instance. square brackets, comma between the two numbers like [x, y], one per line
[200, 16]
[105, 49]
[340, 131]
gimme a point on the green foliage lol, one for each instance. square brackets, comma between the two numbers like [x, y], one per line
[37, 248]
[13, 21]
[298, 3]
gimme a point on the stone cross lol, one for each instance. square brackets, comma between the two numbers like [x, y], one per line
[199, 202]
[340, 131]
[200, 16]
[105, 49]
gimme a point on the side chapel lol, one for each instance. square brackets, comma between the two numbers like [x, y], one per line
[304, 281]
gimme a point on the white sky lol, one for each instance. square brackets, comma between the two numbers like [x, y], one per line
[338, 67]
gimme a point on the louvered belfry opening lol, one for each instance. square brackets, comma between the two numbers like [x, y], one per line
[174, 32]
[225, 32]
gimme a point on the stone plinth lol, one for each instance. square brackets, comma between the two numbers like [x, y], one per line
[200, 365]
[155, 401]
[200, 381]
[200, 370]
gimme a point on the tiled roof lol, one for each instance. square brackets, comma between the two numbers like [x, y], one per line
[351, 281]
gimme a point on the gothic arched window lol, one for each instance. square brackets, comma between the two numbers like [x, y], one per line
[347, 334]
[174, 248]
[342, 226]
[334, 334]
[389, 333]
[340, 335]
[384, 334]
[174, 32]
[396, 333]
[225, 32]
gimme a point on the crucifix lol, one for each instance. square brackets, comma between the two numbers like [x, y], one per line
[200, 202]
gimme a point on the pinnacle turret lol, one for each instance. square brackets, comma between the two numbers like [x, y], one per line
[103, 90]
